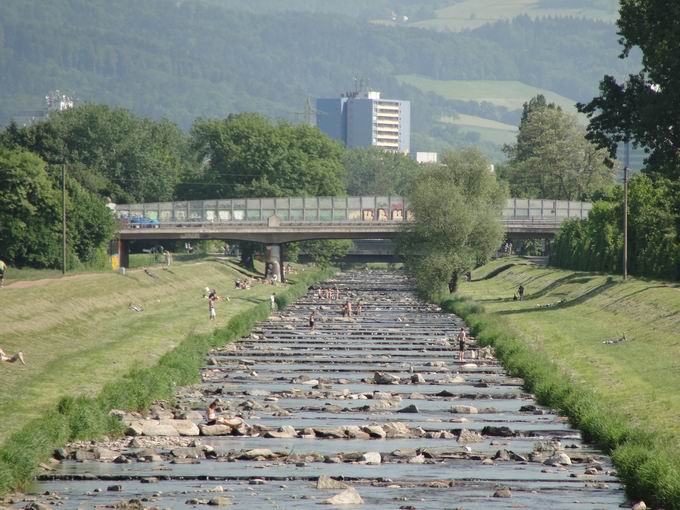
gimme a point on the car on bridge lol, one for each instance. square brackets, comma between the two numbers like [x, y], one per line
[136, 221]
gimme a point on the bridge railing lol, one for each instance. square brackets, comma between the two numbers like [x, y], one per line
[325, 210]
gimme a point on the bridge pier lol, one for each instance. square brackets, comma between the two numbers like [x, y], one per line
[273, 267]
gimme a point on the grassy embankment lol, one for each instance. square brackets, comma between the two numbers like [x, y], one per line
[625, 396]
[82, 341]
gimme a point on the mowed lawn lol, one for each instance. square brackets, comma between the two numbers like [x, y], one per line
[78, 333]
[639, 377]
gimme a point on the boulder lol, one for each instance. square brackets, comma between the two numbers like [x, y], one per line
[184, 427]
[503, 492]
[326, 482]
[220, 501]
[371, 458]
[498, 431]
[418, 459]
[640, 505]
[461, 409]
[469, 436]
[375, 431]
[417, 379]
[135, 428]
[285, 432]
[385, 378]
[558, 459]
[409, 409]
[156, 428]
[349, 496]
[336, 433]
[104, 454]
[215, 430]
[396, 429]
[257, 453]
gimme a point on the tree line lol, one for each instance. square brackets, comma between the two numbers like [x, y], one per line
[113, 155]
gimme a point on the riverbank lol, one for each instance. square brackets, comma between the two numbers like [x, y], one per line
[79, 332]
[578, 321]
[149, 375]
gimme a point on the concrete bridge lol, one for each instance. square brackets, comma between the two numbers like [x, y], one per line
[276, 221]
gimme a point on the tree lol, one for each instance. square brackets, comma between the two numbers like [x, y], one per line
[29, 211]
[457, 208]
[645, 108]
[552, 158]
[110, 151]
[373, 171]
[246, 155]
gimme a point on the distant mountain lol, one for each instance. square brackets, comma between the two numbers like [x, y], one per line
[184, 59]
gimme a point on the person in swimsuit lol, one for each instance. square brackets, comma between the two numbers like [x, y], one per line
[312, 320]
[19, 356]
[212, 299]
[211, 414]
[462, 337]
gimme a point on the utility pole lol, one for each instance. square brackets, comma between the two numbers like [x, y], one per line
[63, 218]
[625, 210]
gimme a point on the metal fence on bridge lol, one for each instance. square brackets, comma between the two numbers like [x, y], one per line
[327, 209]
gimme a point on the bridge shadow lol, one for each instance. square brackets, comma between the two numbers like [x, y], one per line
[586, 296]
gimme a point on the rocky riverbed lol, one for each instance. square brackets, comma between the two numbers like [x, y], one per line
[373, 411]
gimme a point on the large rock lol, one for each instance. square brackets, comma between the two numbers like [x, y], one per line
[409, 409]
[503, 492]
[385, 378]
[469, 436]
[184, 427]
[461, 409]
[396, 429]
[135, 428]
[375, 431]
[558, 459]
[417, 379]
[326, 482]
[257, 453]
[349, 496]
[371, 458]
[104, 454]
[220, 501]
[336, 433]
[215, 430]
[156, 428]
[286, 432]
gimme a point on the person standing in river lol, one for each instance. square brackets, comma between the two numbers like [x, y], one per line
[312, 320]
[462, 337]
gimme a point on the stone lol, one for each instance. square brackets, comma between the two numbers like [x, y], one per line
[396, 429]
[285, 432]
[558, 459]
[135, 428]
[503, 492]
[35, 505]
[105, 454]
[488, 462]
[215, 430]
[417, 379]
[375, 431]
[385, 378]
[461, 409]
[336, 433]
[469, 436]
[349, 496]
[183, 427]
[220, 501]
[498, 431]
[186, 453]
[409, 409]
[418, 459]
[155, 428]
[115, 488]
[371, 458]
[640, 505]
[326, 482]
[83, 455]
[255, 453]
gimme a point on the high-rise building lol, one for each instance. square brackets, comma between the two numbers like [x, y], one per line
[364, 119]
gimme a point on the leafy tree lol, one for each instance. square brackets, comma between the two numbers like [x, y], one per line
[29, 211]
[552, 158]
[110, 151]
[457, 208]
[372, 171]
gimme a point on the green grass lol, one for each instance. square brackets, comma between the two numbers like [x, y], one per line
[470, 14]
[624, 397]
[510, 94]
[77, 416]
[490, 130]
[78, 333]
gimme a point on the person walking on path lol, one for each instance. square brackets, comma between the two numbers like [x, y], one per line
[3, 270]
[272, 300]
[520, 291]
[312, 320]
[462, 337]
[168, 258]
[19, 356]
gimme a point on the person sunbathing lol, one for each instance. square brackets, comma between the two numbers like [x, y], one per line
[19, 356]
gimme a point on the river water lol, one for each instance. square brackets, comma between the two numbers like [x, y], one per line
[458, 434]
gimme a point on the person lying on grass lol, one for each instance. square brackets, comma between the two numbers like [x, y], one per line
[19, 356]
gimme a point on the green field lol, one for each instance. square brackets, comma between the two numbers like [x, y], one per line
[470, 14]
[78, 332]
[640, 377]
[491, 130]
[510, 94]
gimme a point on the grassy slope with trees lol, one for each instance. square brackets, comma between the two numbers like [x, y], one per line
[189, 59]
